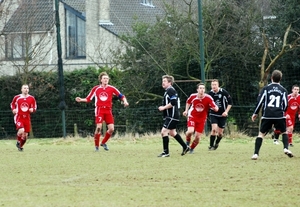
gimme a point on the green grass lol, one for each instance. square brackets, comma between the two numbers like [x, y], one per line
[67, 172]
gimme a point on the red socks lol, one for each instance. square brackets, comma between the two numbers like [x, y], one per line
[107, 136]
[188, 138]
[194, 144]
[96, 139]
[290, 136]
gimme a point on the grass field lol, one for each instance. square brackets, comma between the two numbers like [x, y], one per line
[67, 172]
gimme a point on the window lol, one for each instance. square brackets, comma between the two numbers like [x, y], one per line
[18, 46]
[147, 3]
[75, 36]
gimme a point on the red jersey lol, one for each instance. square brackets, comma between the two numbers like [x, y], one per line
[293, 105]
[23, 104]
[200, 106]
[104, 95]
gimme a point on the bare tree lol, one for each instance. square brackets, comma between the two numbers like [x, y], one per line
[268, 62]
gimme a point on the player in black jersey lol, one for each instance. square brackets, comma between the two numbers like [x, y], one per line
[170, 109]
[218, 118]
[273, 101]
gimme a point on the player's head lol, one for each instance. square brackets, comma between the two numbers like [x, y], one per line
[25, 89]
[215, 85]
[295, 89]
[276, 76]
[167, 80]
[103, 78]
[201, 88]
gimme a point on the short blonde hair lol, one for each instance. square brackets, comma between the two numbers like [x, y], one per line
[101, 75]
[169, 78]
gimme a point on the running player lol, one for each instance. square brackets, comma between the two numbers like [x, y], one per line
[273, 99]
[197, 108]
[22, 106]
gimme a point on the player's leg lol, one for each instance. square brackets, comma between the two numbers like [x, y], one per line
[188, 135]
[214, 131]
[165, 139]
[221, 127]
[199, 128]
[27, 126]
[195, 142]
[281, 125]
[97, 134]
[275, 136]
[20, 132]
[20, 138]
[289, 129]
[109, 119]
[177, 137]
[190, 131]
[265, 126]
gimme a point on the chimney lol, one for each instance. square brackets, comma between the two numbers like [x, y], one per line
[104, 14]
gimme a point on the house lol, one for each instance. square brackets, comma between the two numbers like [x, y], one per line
[90, 31]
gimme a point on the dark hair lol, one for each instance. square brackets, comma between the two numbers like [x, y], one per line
[200, 84]
[276, 76]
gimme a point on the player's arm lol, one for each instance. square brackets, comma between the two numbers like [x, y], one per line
[229, 101]
[79, 100]
[89, 97]
[187, 106]
[33, 106]
[123, 99]
[173, 102]
[214, 106]
[13, 105]
[260, 100]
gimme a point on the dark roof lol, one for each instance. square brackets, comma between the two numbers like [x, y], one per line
[38, 15]
[31, 15]
[123, 14]
[78, 5]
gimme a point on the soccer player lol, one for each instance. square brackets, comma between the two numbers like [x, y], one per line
[170, 109]
[292, 110]
[103, 95]
[273, 98]
[22, 106]
[197, 108]
[218, 118]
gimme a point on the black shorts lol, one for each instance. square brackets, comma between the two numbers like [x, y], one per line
[170, 123]
[267, 124]
[220, 121]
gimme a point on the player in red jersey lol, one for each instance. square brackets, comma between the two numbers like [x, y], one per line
[292, 110]
[197, 108]
[22, 106]
[103, 95]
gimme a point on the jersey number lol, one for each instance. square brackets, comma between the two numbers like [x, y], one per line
[274, 99]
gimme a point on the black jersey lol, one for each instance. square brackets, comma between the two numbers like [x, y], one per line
[273, 100]
[171, 96]
[222, 99]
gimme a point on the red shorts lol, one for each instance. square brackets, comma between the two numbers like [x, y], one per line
[23, 121]
[104, 115]
[198, 124]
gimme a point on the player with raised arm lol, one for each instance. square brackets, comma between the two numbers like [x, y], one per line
[103, 95]
[197, 108]
[22, 106]
[273, 99]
